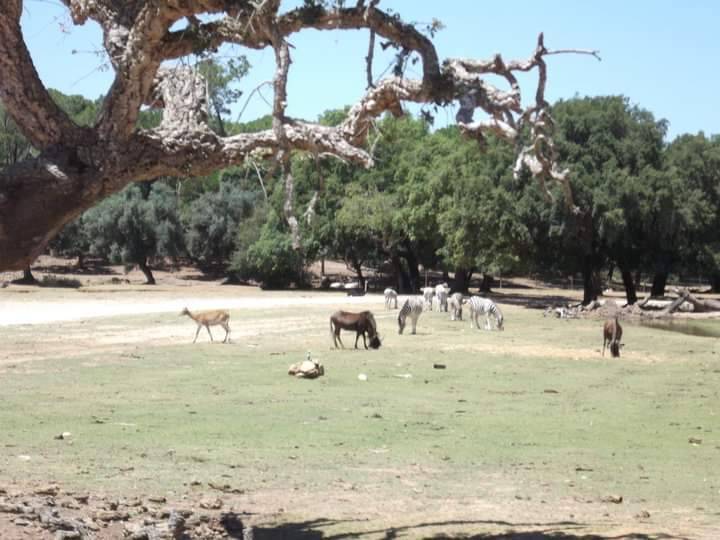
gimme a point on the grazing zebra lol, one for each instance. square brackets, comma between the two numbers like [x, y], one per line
[455, 304]
[413, 306]
[390, 298]
[480, 306]
[441, 293]
[428, 293]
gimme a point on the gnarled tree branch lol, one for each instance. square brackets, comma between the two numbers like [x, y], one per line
[79, 166]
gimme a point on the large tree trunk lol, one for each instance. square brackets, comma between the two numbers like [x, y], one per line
[663, 265]
[699, 304]
[658, 284]
[28, 278]
[401, 277]
[715, 283]
[462, 280]
[630, 291]
[591, 281]
[486, 283]
[413, 270]
[357, 266]
[37, 198]
[145, 268]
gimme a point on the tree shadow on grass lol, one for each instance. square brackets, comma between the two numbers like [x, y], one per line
[564, 530]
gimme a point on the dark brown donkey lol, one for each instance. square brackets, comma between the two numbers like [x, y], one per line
[612, 334]
[362, 323]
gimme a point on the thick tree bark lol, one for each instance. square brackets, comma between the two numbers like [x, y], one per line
[401, 277]
[715, 283]
[659, 283]
[486, 283]
[700, 305]
[145, 268]
[413, 270]
[27, 279]
[357, 268]
[629, 284]
[591, 281]
[462, 280]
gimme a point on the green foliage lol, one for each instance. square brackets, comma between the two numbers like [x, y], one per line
[221, 78]
[265, 254]
[615, 151]
[695, 163]
[73, 240]
[82, 110]
[212, 220]
[14, 147]
[137, 224]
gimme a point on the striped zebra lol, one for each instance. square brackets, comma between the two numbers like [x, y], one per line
[413, 306]
[390, 298]
[428, 293]
[484, 306]
[441, 293]
[455, 304]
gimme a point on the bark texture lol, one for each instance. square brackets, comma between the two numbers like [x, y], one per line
[78, 166]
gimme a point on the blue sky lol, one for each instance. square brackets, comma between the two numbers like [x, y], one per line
[663, 55]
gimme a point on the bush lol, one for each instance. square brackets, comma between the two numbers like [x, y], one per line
[265, 254]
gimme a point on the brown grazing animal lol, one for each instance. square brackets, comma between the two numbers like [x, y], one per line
[363, 322]
[208, 319]
[612, 334]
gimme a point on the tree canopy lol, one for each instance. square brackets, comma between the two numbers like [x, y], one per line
[76, 164]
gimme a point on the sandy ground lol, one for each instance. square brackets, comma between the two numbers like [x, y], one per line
[29, 311]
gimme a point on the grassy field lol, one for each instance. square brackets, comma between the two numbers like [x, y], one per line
[527, 429]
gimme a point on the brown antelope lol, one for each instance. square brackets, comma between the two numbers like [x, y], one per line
[363, 322]
[612, 334]
[209, 318]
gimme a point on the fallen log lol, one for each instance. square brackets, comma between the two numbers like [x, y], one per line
[700, 305]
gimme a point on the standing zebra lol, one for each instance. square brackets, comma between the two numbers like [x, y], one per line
[480, 306]
[428, 293]
[413, 306]
[390, 298]
[441, 293]
[455, 304]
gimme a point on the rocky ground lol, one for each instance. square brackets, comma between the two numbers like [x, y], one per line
[52, 513]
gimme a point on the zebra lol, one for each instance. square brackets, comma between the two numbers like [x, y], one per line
[455, 303]
[390, 298]
[441, 293]
[428, 293]
[413, 306]
[480, 306]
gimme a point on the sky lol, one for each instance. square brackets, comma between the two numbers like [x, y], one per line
[663, 55]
